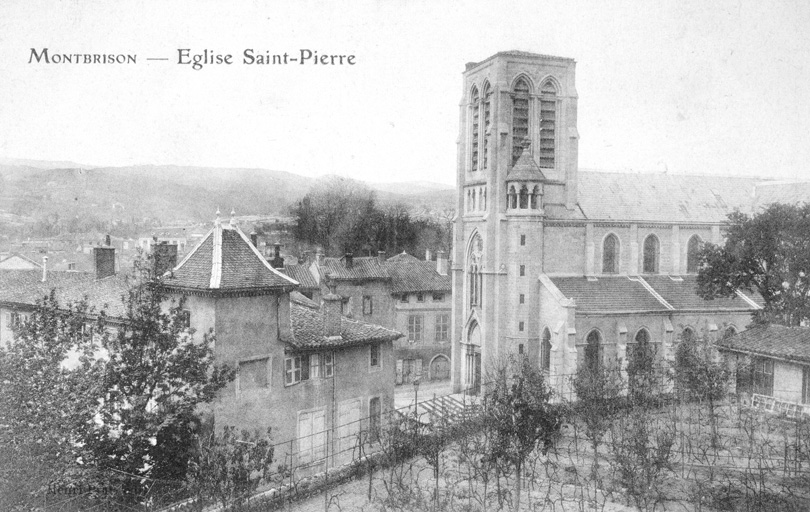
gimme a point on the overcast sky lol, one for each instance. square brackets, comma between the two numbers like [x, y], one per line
[677, 86]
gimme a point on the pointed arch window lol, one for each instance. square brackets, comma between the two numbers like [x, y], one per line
[533, 197]
[520, 117]
[692, 254]
[511, 198]
[545, 350]
[651, 249]
[475, 103]
[593, 350]
[610, 255]
[487, 107]
[474, 282]
[548, 124]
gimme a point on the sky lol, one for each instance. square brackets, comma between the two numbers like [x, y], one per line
[678, 86]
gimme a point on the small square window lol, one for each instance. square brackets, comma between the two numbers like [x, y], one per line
[522, 299]
[420, 297]
[522, 270]
[403, 298]
[438, 297]
[520, 326]
[522, 239]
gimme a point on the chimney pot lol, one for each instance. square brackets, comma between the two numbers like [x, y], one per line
[427, 255]
[278, 261]
[441, 263]
[381, 256]
[349, 260]
[331, 310]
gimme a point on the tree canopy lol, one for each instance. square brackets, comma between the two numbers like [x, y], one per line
[768, 252]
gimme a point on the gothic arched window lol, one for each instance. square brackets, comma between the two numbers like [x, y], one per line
[533, 197]
[511, 199]
[474, 270]
[487, 104]
[650, 255]
[687, 334]
[475, 104]
[520, 117]
[692, 254]
[545, 350]
[593, 350]
[610, 255]
[548, 124]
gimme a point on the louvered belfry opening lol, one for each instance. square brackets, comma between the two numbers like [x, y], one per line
[520, 117]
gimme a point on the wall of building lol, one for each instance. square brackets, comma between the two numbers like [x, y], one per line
[787, 381]
[429, 348]
[378, 290]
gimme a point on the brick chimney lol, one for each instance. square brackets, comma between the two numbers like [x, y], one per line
[427, 255]
[349, 260]
[441, 263]
[254, 239]
[381, 257]
[331, 311]
[277, 261]
[165, 255]
[104, 258]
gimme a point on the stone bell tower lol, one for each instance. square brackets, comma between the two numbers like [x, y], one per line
[517, 166]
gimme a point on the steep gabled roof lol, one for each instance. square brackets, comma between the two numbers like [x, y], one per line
[791, 343]
[410, 274]
[225, 261]
[308, 330]
[363, 268]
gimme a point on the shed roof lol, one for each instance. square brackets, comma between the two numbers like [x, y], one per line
[791, 343]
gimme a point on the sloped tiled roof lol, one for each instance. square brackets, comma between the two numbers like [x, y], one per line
[308, 331]
[26, 287]
[225, 260]
[301, 274]
[792, 343]
[681, 293]
[22, 257]
[364, 267]
[663, 197]
[789, 192]
[613, 293]
[410, 274]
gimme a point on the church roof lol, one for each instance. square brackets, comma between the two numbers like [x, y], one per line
[648, 293]
[226, 261]
[791, 343]
[308, 330]
[610, 293]
[663, 197]
[410, 274]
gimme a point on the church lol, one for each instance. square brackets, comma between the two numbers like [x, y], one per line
[567, 266]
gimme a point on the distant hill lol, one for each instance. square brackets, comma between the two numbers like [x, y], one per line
[167, 194]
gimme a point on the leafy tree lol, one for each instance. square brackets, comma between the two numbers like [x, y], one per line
[45, 404]
[599, 391]
[156, 376]
[519, 416]
[227, 468]
[768, 252]
[702, 376]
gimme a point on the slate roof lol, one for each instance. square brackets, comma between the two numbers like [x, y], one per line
[790, 192]
[225, 260]
[363, 268]
[663, 197]
[410, 274]
[308, 332]
[680, 294]
[791, 343]
[301, 274]
[26, 287]
[624, 294]
[612, 293]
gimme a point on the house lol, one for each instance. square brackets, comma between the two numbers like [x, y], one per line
[569, 266]
[771, 361]
[308, 372]
[422, 306]
[317, 378]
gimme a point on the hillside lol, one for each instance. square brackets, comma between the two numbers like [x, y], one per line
[54, 200]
